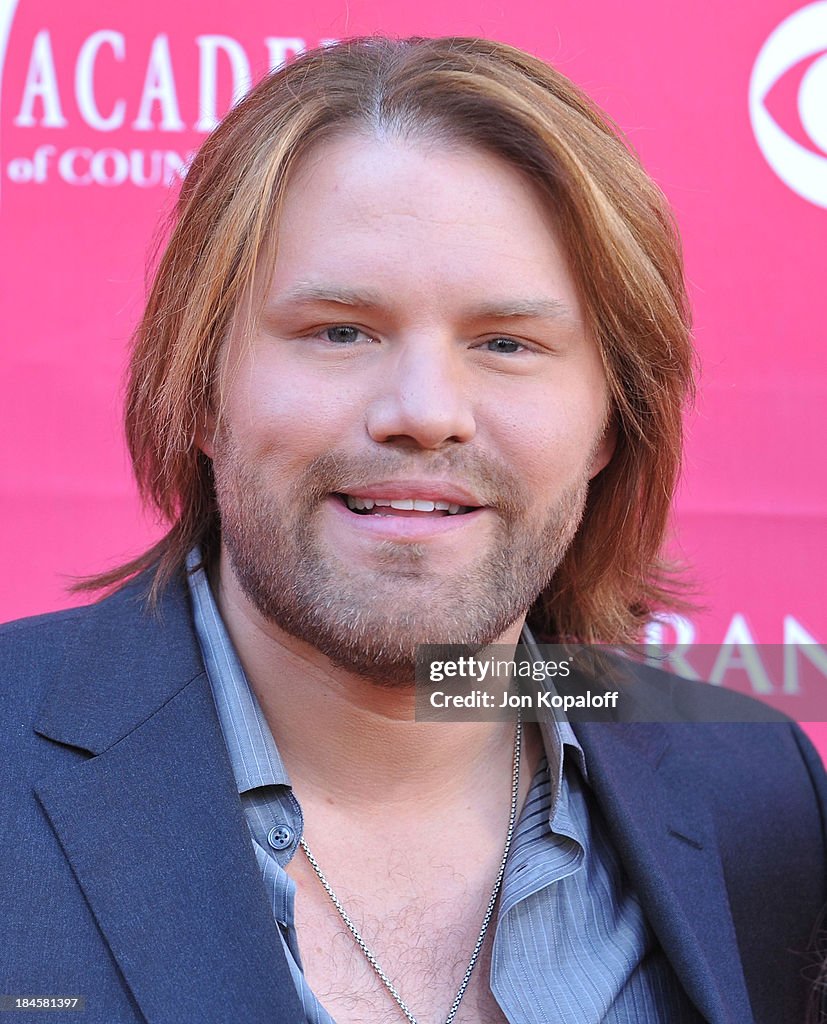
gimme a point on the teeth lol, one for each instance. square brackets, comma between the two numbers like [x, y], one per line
[359, 503]
[403, 504]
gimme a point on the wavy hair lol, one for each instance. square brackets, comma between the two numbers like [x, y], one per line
[617, 231]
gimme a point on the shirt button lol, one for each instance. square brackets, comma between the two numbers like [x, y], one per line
[280, 837]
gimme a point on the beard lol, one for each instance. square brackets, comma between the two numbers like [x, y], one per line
[372, 621]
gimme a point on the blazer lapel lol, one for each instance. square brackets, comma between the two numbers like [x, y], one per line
[152, 824]
[667, 844]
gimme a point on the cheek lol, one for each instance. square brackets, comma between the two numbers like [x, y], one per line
[550, 440]
[291, 417]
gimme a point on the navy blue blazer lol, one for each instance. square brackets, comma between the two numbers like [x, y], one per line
[127, 875]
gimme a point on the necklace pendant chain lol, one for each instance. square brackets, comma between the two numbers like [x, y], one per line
[368, 953]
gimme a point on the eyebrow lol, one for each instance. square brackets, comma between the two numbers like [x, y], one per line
[507, 309]
[529, 309]
[307, 293]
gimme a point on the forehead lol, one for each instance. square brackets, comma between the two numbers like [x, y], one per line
[437, 218]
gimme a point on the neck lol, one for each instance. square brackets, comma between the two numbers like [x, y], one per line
[346, 738]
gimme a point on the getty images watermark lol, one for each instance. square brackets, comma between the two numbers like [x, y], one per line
[590, 683]
[455, 683]
[499, 676]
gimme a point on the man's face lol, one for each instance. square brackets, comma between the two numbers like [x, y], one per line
[422, 344]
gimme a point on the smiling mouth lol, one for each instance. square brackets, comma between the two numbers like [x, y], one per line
[414, 507]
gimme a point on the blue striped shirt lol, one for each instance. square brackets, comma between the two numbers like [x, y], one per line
[571, 942]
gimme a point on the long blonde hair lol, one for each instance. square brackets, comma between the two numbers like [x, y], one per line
[619, 237]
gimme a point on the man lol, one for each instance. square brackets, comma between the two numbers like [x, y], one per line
[411, 371]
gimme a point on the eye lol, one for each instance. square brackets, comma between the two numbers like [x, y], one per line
[503, 345]
[343, 334]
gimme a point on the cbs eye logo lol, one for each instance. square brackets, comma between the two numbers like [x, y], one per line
[803, 35]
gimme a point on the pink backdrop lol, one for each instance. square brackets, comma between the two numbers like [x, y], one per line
[100, 108]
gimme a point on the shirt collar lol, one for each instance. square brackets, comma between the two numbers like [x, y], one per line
[555, 727]
[559, 741]
[253, 753]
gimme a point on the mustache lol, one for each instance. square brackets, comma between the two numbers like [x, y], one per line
[490, 479]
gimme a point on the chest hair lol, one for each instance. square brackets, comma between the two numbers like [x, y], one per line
[423, 941]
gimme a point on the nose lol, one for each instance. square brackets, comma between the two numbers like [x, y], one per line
[423, 396]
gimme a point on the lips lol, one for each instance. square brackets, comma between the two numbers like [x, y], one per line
[411, 498]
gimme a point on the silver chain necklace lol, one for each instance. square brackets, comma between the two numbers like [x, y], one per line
[371, 959]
